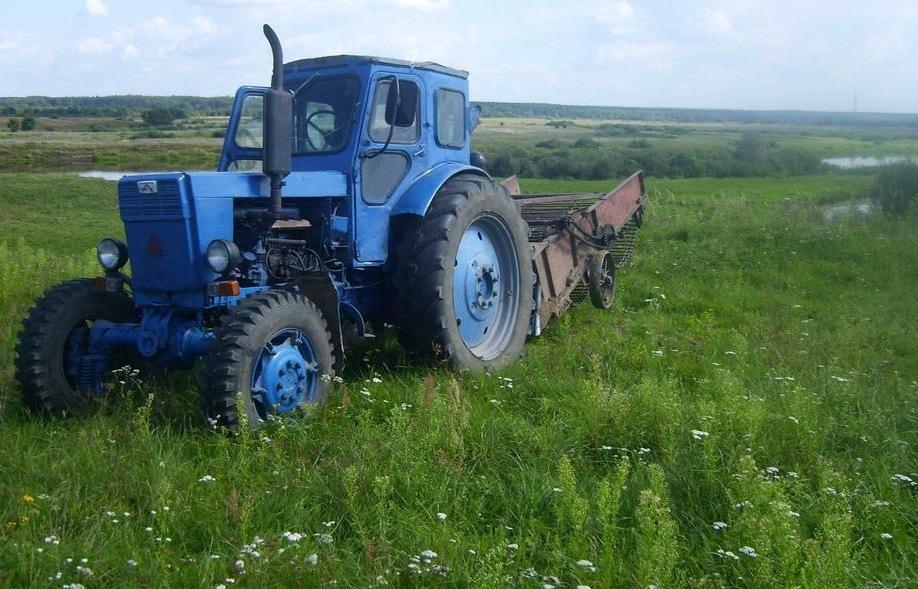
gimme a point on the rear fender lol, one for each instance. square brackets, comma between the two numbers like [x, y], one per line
[417, 197]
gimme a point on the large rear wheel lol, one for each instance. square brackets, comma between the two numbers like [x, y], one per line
[274, 349]
[465, 277]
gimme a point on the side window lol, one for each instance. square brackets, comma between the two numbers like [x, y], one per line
[382, 174]
[450, 118]
[251, 122]
[379, 128]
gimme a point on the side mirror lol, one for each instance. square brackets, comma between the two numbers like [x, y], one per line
[277, 132]
[474, 116]
[401, 103]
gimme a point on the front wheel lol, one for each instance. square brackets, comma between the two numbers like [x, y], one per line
[275, 350]
[54, 341]
[465, 278]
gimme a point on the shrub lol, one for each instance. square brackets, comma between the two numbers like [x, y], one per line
[160, 117]
[13, 125]
[28, 123]
[895, 189]
[586, 143]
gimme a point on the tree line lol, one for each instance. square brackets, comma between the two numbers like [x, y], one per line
[134, 105]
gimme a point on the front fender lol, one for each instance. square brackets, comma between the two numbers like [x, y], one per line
[417, 197]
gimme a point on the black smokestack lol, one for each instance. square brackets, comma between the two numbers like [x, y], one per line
[278, 120]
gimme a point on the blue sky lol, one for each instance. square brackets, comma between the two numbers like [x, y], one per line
[777, 54]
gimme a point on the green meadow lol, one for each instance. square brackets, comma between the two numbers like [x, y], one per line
[744, 416]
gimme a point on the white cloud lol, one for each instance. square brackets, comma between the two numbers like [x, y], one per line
[205, 25]
[165, 36]
[652, 53]
[129, 52]
[94, 46]
[716, 22]
[423, 4]
[618, 17]
[95, 8]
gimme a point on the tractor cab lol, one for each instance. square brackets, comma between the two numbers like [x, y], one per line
[371, 125]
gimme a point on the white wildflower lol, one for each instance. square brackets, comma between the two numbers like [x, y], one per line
[903, 479]
[428, 554]
[513, 546]
[886, 536]
[132, 563]
[239, 566]
[699, 434]
[880, 503]
[206, 479]
[292, 536]
[719, 525]
[312, 559]
[323, 538]
[441, 516]
[748, 551]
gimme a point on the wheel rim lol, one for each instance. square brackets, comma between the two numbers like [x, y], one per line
[486, 286]
[286, 373]
[602, 282]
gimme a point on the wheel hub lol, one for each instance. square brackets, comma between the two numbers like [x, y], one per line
[483, 296]
[285, 372]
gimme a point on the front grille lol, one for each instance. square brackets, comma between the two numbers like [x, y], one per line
[163, 205]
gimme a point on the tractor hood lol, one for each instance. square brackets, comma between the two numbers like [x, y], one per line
[169, 219]
[257, 185]
[244, 184]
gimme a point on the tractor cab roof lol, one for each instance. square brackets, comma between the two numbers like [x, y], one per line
[333, 61]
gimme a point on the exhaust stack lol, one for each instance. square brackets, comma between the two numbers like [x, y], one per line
[277, 127]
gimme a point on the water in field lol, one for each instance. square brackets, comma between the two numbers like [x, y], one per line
[849, 163]
[105, 175]
[850, 208]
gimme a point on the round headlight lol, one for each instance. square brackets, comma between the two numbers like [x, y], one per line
[112, 253]
[223, 255]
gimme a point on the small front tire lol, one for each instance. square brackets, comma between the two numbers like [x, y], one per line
[275, 350]
[61, 318]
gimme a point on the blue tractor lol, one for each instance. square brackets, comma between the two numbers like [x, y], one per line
[346, 197]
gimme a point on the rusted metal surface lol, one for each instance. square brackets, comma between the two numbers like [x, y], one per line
[566, 230]
[512, 184]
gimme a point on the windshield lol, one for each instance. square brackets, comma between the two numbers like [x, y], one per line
[323, 114]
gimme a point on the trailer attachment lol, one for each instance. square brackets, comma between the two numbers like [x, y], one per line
[579, 241]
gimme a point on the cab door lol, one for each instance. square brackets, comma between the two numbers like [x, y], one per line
[243, 142]
[392, 155]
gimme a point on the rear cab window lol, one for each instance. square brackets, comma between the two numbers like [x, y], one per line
[450, 118]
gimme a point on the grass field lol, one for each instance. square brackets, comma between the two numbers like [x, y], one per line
[744, 416]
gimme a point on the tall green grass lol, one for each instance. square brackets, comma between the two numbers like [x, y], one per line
[738, 419]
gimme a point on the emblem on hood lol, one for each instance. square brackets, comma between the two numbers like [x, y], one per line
[147, 187]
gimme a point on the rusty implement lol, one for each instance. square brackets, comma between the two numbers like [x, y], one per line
[579, 241]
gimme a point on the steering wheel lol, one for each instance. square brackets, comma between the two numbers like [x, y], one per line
[324, 134]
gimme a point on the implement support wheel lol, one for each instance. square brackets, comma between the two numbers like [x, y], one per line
[601, 277]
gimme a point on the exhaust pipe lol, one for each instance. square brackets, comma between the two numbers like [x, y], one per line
[277, 151]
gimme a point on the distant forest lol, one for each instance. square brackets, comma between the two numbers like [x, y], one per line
[134, 105]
